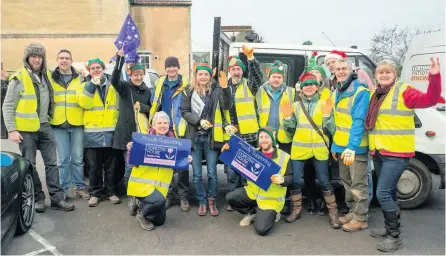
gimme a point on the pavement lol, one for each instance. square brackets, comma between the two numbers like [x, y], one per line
[109, 229]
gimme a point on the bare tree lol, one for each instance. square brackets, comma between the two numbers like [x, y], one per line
[393, 43]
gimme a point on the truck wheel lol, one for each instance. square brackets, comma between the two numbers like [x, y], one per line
[414, 185]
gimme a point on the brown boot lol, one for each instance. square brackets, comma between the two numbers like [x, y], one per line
[330, 201]
[346, 218]
[355, 225]
[296, 201]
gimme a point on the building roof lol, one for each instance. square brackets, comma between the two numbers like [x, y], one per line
[162, 2]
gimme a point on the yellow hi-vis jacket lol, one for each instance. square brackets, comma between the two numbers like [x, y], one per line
[245, 109]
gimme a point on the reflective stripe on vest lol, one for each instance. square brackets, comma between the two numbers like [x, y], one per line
[263, 108]
[245, 109]
[144, 180]
[149, 181]
[307, 143]
[344, 121]
[274, 197]
[66, 106]
[394, 129]
[26, 117]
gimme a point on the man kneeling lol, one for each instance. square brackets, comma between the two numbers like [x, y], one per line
[263, 207]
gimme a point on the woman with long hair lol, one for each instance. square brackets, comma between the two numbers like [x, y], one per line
[203, 106]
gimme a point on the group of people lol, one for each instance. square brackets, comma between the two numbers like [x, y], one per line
[323, 119]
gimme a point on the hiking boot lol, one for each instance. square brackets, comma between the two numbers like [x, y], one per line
[202, 211]
[83, 193]
[40, 206]
[247, 219]
[346, 219]
[145, 223]
[390, 244]
[330, 202]
[378, 232]
[213, 206]
[355, 225]
[133, 206]
[229, 208]
[184, 205]
[62, 205]
[93, 202]
[323, 209]
[311, 207]
[393, 228]
[296, 201]
[114, 199]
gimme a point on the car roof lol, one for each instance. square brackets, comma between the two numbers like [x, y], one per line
[295, 47]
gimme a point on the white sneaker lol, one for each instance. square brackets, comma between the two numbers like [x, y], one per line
[277, 217]
[247, 220]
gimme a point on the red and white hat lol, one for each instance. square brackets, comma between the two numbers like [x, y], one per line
[336, 55]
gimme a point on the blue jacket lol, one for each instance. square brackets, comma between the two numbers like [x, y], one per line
[358, 113]
[171, 101]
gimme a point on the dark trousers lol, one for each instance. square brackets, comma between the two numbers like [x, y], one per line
[43, 140]
[102, 164]
[388, 170]
[239, 200]
[183, 185]
[153, 208]
[285, 147]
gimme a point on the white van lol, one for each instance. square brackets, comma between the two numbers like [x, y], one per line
[417, 63]
[415, 184]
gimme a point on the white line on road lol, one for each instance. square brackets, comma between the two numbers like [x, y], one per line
[36, 252]
[47, 246]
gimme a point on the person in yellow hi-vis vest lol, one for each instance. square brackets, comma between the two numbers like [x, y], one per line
[350, 143]
[203, 106]
[305, 120]
[149, 184]
[27, 111]
[167, 97]
[242, 119]
[100, 102]
[391, 126]
[269, 98]
[68, 124]
[263, 207]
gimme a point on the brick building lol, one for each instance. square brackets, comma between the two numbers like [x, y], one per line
[89, 27]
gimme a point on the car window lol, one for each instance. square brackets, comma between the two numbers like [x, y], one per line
[417, 121]
[367, 66]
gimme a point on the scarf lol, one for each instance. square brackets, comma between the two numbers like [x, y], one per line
[375, 104]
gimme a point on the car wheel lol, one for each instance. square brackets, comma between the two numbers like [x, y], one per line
[415, 185]
[26, 212]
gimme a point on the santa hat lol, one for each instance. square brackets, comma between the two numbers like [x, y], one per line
[335, 55]
[306, 79]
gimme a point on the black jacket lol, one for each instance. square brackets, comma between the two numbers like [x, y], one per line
[126, 119]
[218, 94]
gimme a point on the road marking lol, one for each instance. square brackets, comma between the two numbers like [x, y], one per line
[47, 246]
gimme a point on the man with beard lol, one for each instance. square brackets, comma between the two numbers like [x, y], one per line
[28, 108]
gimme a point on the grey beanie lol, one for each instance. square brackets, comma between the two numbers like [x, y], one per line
[34, 49]
[171, 62]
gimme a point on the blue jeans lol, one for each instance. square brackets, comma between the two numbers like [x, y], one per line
[235, 179]
[202, 146]
[70, 152]
[389, 170]
[321, 168]
[128, 169]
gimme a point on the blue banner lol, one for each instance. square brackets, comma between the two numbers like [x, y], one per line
[160, 151]
[249, 162]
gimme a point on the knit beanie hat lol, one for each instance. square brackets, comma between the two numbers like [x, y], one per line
[307, 79]
[203, 66]
[270, 132]
[96, 60]
[171, 62]
[235, 61]
[276, 67]
[34, 49]
[336, 55]
[320, 69]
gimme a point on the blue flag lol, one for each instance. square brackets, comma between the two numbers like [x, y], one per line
[128, 39]
[160, 151]
[249, 162]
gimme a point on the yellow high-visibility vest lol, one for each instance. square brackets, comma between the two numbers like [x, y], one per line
[66, 106]
[145, 179]
[394, 129]
[245, 109]
[220, 134]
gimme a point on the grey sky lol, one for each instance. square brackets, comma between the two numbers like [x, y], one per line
[294, 21]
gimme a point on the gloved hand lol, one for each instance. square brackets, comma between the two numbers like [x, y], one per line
[327, 107]
[230, 130]
[277, 179]
[248, 51]
[348, 156]
[205, 124]
[223, 80]
[225, 147]
[286, 109]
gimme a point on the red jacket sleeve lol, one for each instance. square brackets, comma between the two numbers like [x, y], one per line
[414, 98]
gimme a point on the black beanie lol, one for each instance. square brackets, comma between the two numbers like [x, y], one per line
[171, 62]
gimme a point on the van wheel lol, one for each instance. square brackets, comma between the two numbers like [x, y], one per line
[415, 185]
[26, 207]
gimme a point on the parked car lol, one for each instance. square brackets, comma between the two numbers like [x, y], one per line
[415, 184]
[17, 196]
